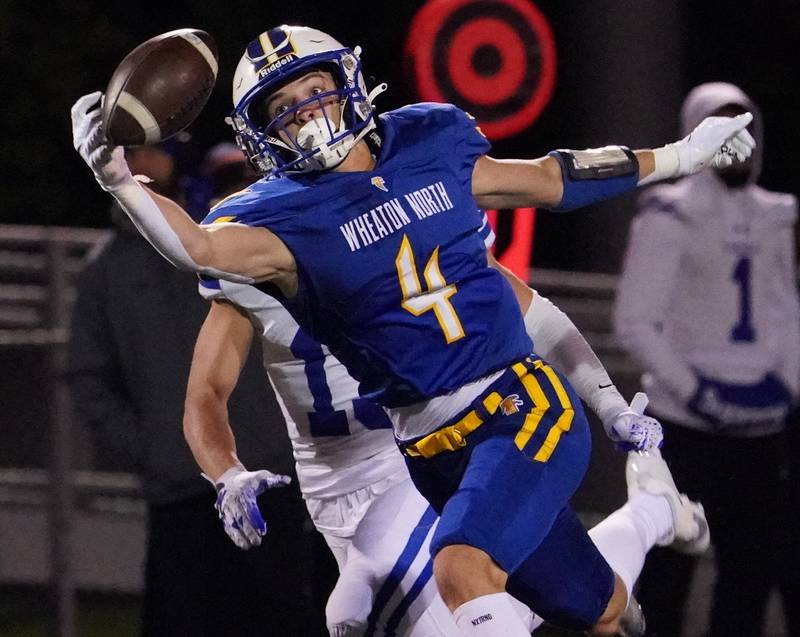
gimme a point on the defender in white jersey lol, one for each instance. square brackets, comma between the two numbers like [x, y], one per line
[708, 305]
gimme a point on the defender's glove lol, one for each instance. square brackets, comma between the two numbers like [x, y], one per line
[107, 163]
[237, 491]
[733, 404]
[717, 142]
[631, 430]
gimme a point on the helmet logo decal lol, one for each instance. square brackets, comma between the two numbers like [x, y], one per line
[379, 183]
[271, 50]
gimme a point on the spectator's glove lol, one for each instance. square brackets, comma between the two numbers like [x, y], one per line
[717, 142]
[631, 430]
[237, 491]
[107, 163]
[732, 404]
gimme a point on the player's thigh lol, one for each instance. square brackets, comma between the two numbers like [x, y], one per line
[511, 493]
[386, 581]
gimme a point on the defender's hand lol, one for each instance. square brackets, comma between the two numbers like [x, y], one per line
[107, 163]
[237, 491]
[631, 430]
[717, 142]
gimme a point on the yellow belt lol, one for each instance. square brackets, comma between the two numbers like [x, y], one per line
[453, 437]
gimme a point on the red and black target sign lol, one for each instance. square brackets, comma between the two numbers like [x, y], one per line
[495, 59]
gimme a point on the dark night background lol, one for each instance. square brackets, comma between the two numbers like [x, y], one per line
[624, 67]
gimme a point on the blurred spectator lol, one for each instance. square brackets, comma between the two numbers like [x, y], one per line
[133, 330]
[708, 305]
[226, 170]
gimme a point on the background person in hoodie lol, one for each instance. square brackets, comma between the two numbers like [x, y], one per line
[708, 305]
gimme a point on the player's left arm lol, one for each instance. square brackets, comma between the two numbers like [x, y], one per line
[558, 341]
[568, 179]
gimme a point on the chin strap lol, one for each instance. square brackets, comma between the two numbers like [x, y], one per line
[317, 134]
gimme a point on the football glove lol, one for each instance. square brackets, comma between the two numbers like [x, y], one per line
[717, 142]
[107, 163]
[733, 404]
[631, 430]
[237, 490]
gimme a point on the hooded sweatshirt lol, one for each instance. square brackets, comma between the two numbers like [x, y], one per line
[708, 287]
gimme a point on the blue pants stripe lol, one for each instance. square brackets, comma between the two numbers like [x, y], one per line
[394, 620]
[400, 568]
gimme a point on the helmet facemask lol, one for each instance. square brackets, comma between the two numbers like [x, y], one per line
[320, 144]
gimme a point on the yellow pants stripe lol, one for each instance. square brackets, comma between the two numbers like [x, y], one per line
[564, 421]
[540, 405]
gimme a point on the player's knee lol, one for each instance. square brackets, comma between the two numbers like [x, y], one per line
[349, 604]
[608, 624]
[463, 573]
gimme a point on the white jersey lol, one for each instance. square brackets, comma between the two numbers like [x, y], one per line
[341, 442]
[713, 269]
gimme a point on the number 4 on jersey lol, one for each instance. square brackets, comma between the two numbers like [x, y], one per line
[436, 298]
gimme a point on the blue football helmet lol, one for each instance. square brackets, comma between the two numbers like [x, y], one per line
[279, 56]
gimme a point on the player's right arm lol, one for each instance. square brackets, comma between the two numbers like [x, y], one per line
[227, 251]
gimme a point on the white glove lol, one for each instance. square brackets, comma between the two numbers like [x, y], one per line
[237, 491]
[107, 163]
[631, 430]
[717, 142]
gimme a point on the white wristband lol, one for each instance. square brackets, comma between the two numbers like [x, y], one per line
[667, 165]
[226, 475]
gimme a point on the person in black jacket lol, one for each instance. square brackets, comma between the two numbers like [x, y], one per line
[133, 330]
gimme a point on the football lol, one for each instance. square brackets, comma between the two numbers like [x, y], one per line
[160, 87]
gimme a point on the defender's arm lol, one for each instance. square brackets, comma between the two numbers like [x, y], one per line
[220, 351]
[559, 342]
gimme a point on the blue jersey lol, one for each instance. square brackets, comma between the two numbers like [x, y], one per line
[392, 272]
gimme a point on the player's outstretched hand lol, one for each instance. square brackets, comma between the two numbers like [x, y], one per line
[631, 430]
[237, 491]
[107, 163]
[717, 142]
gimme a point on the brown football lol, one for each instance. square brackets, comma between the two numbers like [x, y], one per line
[160, 87]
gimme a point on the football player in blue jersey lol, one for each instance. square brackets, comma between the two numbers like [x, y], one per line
[364, 228]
